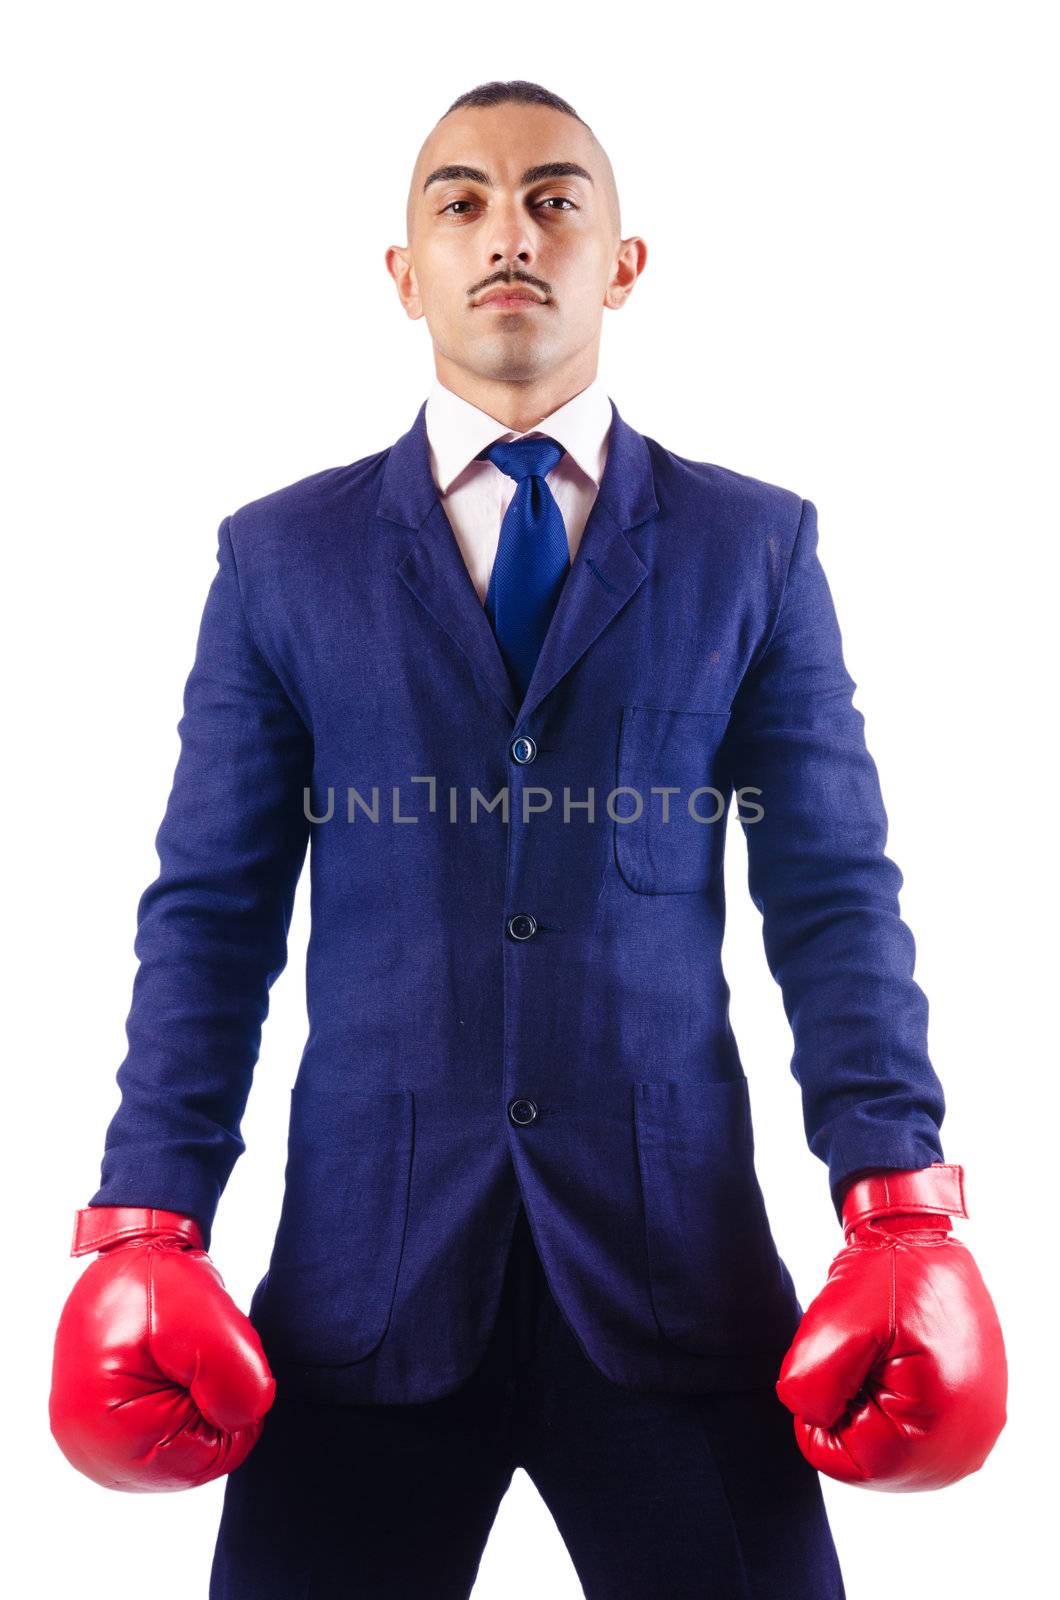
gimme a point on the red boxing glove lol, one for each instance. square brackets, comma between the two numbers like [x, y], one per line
[159, 1382]
[897, 1375]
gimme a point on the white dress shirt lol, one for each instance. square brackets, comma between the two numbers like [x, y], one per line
[476, 494]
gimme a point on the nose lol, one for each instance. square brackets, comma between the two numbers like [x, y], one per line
[509, 238]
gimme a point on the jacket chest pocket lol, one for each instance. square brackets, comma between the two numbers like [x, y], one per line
[327, 1296]
[669, 831]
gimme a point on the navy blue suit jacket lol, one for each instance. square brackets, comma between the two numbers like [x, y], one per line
[343, 648]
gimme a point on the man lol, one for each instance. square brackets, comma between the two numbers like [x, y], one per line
[507, 675]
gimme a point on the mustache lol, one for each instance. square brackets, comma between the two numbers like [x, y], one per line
[512, 278]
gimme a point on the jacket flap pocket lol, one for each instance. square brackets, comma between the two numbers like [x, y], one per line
[718, 1285]
[330, 1286]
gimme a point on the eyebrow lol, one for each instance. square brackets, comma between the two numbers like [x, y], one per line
[549, 169]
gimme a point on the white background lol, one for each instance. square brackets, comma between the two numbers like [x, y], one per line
[849, 292]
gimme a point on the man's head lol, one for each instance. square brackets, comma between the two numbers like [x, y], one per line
[512, 191]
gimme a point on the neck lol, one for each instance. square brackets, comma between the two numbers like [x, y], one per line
[519, 406]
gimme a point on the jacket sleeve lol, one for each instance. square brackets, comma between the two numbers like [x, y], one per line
[817, 871]
[212, 927]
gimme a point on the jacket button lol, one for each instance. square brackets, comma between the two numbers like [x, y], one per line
[522, 1112]
[522, 925]
[523, 749]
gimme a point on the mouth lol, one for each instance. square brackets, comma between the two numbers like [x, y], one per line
[499, 299]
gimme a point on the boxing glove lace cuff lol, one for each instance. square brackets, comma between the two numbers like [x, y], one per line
[938, 1188]
[95, 1227]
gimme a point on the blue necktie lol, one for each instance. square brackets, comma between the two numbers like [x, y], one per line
[533, 556]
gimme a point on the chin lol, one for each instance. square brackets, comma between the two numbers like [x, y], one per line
[514, 365]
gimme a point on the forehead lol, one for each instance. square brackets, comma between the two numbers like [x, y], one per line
[503, 142]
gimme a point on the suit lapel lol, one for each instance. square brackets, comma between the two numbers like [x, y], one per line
[606, 570]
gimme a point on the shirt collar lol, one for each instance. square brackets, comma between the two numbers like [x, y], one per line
[458, 430]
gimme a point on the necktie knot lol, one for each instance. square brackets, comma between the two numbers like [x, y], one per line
[524, 458]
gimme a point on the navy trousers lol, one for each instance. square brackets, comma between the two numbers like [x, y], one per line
[656, 1497]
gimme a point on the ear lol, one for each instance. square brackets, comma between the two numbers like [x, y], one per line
[400, 267]
[630, 258]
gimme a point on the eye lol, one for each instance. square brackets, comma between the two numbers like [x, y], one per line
[552, 200]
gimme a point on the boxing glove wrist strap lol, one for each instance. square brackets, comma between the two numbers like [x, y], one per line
[96, 1227]
[938, 1188]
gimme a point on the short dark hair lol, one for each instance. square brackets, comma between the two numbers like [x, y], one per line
[516, 92]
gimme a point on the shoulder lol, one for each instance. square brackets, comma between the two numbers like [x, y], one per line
[278, 522]
[746, 526]
[688, 485]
